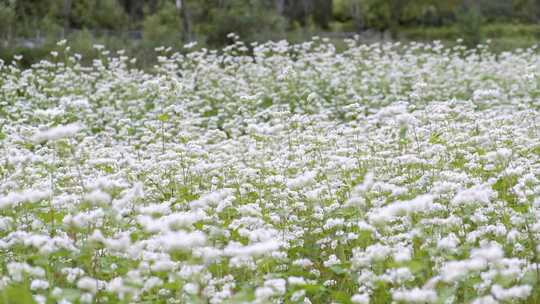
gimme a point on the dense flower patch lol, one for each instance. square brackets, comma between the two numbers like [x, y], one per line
[290, 173]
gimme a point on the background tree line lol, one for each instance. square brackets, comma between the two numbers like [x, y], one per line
[145, 24]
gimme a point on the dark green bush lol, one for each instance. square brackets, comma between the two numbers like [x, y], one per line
[469, 24]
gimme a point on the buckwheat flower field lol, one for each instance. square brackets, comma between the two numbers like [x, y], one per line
[382, 173]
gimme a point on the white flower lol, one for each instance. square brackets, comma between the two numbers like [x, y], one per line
[56, 133]
[455, 270]
[181, 240]
[256, 249]
[191, 288]
[419, 204]
[512, 293]
[415, 295]
[98, 197]
[360, 298]
[296, 280]
[16, 198]
[303, 180]
[479, 194]
[485, 300]
[39, 284]
[89, 284]
[332, 260]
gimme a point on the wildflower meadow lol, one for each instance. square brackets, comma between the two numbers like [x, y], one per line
[272, 173]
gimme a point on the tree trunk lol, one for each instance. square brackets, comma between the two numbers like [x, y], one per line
[280, 6]
[396, 9]
[357, 16]
[181, 6]
[67, 14]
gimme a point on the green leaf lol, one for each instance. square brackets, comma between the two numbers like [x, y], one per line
[341, 297]
[529, 278]
[96, 129]
[17, 294]
[435, 138]
[403, 133]
[266, 102]
[337, 269]
[210, 113]
[445, 293]
[314, 289]
[149, 105]
[164, 117]
[71, 294]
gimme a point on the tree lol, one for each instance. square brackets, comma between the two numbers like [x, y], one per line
[67, 14]
[98, 14]
[322, 13]
[348, 11]
[251, 20]
[469, 22]
[163, 28]
[7, 21]
[280, 6]
[181, 7]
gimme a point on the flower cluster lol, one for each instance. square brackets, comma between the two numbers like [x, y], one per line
[278, 173]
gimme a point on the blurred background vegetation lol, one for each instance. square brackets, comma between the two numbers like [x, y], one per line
[32, 27]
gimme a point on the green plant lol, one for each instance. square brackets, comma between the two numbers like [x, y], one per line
[469, 24]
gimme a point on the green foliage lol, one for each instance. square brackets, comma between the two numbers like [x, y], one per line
[98, 14]
[469, 23]
[341, 9]
[16, 294]
[503, 186]
[163, 28]
[7, 18]
[82, 42]
[377, 14]
[252, 22]
[38, 25]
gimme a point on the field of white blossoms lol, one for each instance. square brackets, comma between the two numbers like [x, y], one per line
[288, 173]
